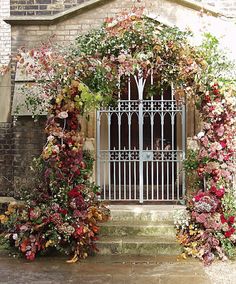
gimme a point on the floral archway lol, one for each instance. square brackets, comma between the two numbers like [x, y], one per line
[63, 211]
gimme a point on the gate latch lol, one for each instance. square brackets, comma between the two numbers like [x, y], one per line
[147, 156]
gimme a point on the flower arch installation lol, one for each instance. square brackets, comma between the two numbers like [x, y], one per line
[62, 211]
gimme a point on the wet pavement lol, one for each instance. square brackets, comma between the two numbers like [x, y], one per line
[104, 269]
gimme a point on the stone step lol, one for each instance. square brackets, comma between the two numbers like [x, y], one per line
[144, 213]
[114, 228]
[138, 246]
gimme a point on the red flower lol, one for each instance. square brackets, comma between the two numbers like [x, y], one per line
[30, 255]
[229, 232]
[200, 171]
[82, 165]
[207, 98]
[222, 219]
[223, 144]
[45, 220]
[231, 219]
[74, 192]
[199, 196]
[79, 230]
[213, 189]
[63, 211]
[220, 193]
[23, 245]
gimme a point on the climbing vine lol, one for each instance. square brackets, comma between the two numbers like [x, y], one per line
[62, 211]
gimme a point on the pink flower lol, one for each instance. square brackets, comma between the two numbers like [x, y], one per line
[226, 174]
[215, 147]
[220, 131]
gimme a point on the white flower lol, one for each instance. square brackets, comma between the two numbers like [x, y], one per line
[112, 24]
[63, 114]
[50, 138]
[15, 237]
[200, 135]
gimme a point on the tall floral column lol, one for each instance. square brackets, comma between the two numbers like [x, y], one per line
[209, 229]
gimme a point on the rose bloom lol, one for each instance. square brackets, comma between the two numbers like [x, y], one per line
[200, 135]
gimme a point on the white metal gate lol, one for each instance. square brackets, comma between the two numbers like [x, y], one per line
[141, 145]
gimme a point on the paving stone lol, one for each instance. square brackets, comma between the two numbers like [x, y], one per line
[104, 270]
[182, 279]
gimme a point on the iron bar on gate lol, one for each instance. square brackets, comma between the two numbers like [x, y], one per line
[141, 145]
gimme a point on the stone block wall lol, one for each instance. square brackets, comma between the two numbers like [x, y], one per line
[5, 33]
[227, 7]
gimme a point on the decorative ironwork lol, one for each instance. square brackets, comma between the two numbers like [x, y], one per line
[141, 145]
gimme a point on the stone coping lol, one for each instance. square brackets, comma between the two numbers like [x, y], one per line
[49, 20]
[52, 19]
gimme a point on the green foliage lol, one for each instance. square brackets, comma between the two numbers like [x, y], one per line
[219, 67]
[229, 203]
[191, 163]
[227, 245]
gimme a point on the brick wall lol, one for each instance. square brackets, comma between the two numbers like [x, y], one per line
[18, 145]
[6, 147]
[28, 141]
[6, 161]
[41, 7]
[5, 32]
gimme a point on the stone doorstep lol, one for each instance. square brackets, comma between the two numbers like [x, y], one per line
[143, 207]
[138, 246]
[114, 228]
[145, 213]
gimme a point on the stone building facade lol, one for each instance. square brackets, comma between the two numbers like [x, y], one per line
[5, 32]
[28, 23]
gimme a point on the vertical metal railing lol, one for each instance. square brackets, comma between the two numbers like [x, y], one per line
[149, 169]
